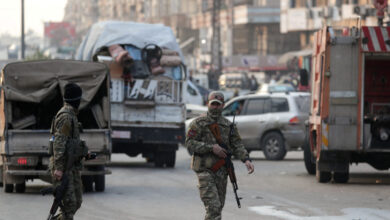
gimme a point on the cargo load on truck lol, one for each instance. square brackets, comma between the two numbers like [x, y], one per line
[147, 73]
[350, 106]
[31, 95]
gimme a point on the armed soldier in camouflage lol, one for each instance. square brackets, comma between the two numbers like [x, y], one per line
[65, 128]
[207, 152]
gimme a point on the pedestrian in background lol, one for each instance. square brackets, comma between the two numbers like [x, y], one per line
[254, 84]
[200, 140]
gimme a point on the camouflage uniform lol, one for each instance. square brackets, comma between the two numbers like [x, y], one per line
[65, 128]
[200, 140]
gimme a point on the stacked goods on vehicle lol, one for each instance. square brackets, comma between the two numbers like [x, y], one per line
[147, 74]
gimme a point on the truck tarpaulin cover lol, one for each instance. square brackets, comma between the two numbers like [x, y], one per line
[33, 81]
[107, 33]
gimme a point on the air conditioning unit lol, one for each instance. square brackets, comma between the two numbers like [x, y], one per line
[315, 13]
[360, 10]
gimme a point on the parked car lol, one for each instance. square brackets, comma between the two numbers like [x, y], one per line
[273, 123]
[195, 110]
[274, 88]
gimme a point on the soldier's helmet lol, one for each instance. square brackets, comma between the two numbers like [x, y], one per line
[72, 92]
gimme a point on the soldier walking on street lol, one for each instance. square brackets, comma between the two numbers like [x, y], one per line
[207, 152]
[65, 128]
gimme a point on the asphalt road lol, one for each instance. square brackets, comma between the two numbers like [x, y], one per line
[277, 190]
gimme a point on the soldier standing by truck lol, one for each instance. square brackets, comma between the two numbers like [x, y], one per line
[208, 151]
[67, 139]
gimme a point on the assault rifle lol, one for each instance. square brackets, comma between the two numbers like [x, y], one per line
[59, 191]
[227, 161]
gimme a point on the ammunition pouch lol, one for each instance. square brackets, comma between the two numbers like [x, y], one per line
[80, 149]
[202, 162]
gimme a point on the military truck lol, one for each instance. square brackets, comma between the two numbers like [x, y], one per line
[350, 104]
[147, 77]
[31, 95]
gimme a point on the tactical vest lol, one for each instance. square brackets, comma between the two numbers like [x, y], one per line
[74, 146]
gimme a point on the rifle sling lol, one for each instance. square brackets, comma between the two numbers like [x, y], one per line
[214, 128]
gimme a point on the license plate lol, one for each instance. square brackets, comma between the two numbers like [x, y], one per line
[121, 134]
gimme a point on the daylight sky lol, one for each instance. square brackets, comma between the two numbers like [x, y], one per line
[36, 12]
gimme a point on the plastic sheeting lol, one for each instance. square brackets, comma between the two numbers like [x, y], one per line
[33, 81]
[104, 34]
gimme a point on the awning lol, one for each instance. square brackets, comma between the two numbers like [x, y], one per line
[290, 55]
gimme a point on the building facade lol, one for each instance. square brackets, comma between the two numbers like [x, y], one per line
[249, 28]
[306, 16]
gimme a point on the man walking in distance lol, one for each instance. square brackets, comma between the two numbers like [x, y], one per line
[201, 141]
[65, 128]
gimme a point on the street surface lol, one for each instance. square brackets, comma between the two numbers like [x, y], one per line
[277, 190]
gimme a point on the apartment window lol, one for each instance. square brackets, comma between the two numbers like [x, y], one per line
[293, 3]
[205, 5]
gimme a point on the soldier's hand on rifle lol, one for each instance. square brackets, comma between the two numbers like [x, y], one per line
[249, 166]
[58, 174]
[219, 151]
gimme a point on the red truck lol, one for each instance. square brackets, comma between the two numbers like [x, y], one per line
[350, 105]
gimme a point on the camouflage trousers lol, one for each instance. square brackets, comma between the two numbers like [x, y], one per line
[212, 189]
[73, 196]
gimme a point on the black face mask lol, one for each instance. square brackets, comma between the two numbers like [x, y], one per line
[75, 104]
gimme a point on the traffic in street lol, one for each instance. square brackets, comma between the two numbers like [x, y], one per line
[277, 190]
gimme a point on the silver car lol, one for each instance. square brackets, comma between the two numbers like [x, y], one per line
[273, 123]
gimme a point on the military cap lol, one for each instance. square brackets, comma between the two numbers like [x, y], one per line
[216, 96]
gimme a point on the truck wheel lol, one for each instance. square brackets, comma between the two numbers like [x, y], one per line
[273, 146]
[341, 177]
[20, 187]
[170, 158]
[308, 158]
[159, 159]
[323, 176]
[100, 180]
[100, 183]
[87, 183]
[8, 188]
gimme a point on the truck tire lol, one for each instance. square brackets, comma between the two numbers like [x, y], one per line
[8, 188]
[87, 183]
[100, 180]
[159, 159]
[341, 177]
[100, 183]
[20, 187]
[273, 146]
[308, 158]
[323, 176]
[170, 158]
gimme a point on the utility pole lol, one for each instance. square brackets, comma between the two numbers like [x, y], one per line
[22, 35]
[216, 58]
[230, 50]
